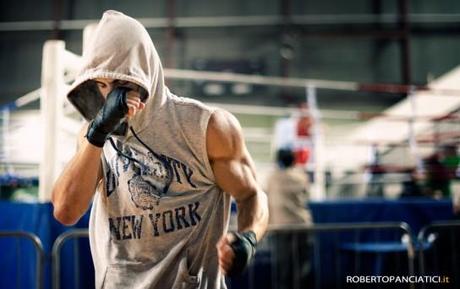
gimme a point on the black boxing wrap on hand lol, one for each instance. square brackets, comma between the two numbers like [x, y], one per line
[109, 117]
[244, 247]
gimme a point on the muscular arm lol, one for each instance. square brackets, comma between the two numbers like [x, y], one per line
[235, 174]
[74, 189]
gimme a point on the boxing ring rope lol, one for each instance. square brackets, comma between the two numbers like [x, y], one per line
[259, 80]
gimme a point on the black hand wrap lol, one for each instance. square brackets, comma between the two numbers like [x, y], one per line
[109, 118]
[244, 247]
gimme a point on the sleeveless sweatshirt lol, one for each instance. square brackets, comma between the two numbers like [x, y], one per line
[158, 220]
[158, 216]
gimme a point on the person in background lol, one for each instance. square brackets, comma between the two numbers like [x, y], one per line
[411, 186]
[451, 160]
[437, 184]
[377, 173]
[287, 190]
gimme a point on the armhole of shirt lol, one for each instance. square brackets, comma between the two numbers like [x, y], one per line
[102, 186]
[206, 160]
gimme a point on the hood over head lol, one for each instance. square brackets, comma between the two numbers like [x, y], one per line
[121, 49]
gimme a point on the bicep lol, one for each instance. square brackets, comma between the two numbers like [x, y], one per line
[236, 176]
[234, 172]
[231, 163]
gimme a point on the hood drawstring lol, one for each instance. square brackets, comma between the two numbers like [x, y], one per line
[162, 158]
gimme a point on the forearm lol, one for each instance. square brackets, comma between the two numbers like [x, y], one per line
[253, 214]
[75, 187]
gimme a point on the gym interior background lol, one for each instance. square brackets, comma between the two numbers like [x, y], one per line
[376, 144]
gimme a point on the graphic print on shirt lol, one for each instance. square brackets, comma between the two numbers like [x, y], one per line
[150, 175]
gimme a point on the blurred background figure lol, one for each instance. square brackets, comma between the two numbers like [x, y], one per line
[303, 142]
[287, 190]
[376, 174]
[441, 170]
[296, 132]
[411, 187]
[437, 177]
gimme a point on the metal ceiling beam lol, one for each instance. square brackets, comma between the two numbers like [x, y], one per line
[237, 21]
[404, 26]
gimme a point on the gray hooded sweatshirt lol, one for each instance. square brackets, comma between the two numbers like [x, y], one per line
[157, 219]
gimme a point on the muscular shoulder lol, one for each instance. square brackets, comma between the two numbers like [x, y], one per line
[188, 103]
[224, 136]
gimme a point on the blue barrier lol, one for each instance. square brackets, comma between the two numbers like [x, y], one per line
[38, 219]
[417, 212]
[16, 273]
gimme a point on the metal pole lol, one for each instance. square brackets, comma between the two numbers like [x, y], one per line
[56, 253]
[412, 138]
[170, 33]
[5, 137]
[318, 190]
[238, 21]
[40, 261]
[404, 25]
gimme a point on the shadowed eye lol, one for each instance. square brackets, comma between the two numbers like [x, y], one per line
[122, 83]
[101, 85]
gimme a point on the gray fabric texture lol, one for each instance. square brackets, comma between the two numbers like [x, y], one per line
[158, 215]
